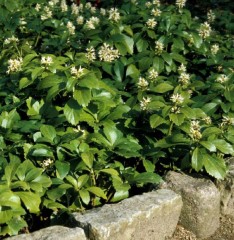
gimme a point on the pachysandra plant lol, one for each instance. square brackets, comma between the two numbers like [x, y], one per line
[98, 102]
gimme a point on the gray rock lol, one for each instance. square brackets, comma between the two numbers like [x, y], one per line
[201, 202]
[151, 216]
[226, 188]
[53, 233]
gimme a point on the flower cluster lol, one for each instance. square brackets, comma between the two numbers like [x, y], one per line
[114, 15]
[71, 28]
[177, 99]
[227, 121]
[152, 75]
[205, 30]
[107, 53]
[156, 3]
[38, 7]
[74, 9]
[46, 61]
[80, 20]
[180, 3]
[184, 78]
[151, 23]
[156, 12]
[47, 14]
[14, 65]
[214, 49]
[159, 46]
[222, 78]
[12, 39]
[47, 163]
[90, 54]
[92, 23]
[142, 83]
[144, 103]
[78, 73]
[182, 68]
[210, 16]
[63, 6]
[195, 130]
[207, 120]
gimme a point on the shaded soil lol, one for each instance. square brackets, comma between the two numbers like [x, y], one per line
[224, 232]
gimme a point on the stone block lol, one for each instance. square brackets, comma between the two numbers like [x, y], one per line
[226, 188]
[201, 202]
[53, 233]
[151, 216]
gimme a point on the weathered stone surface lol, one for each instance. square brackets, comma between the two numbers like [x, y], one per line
[151, 216]
[201, 202]
[53, 233]
[226, 188]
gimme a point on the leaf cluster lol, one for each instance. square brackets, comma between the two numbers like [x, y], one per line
[96, 104]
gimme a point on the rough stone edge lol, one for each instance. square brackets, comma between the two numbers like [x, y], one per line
[123, 220]
[53, 233]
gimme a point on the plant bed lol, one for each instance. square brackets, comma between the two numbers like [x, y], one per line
[96, 104]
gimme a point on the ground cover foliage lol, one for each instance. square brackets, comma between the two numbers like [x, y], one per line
[97, 103]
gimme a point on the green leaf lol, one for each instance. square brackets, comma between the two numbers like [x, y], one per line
[5, 216]
[41, 150]
[11, 5]
[82, 180]
[147, 177]
[29, 57]
[83, 96]
[62, 168]
[158, 64]
[141, 45]
[97, 191]
[208, 145]
[156, 120]
[177, 57]
[10, 171]
[197, 40]
[24, 82]
[89, 81]
[110, 171]
[119, 70]
[148, 165]
[223, 146]
[177, 118]
[178, 43]
[197, 159]
[56, 193]
[125, 40]
[72, 111]
[88, 158]
[44, 180]
[8, 198]
[120, 195]
[34, 107]
[211, 131]
[145, 63]
[31, 201]
[36, 72]
[162, 88]
[214, 166]
[112, 134]
[167, 58]
[132, 71]
[48, 132]
[16, 224]
[85, 196]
